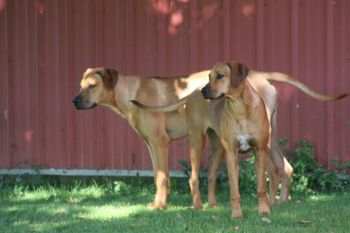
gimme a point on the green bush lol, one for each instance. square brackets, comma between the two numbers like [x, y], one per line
[203, 177]
[308, 175]
[247, 177]
[121, 187]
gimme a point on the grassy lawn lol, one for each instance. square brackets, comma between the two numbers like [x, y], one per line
[93, 208]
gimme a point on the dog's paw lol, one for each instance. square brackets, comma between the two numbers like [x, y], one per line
[197, 205]
[272, 201]
[284, 198]
[156, 206]
[283, 201]
[212, 203]
[236, 213]
[264, 209]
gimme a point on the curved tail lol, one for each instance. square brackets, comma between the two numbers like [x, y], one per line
[166, 108]
[280, 77]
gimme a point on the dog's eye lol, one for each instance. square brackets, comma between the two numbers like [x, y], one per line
[219, 76]
[92, 86]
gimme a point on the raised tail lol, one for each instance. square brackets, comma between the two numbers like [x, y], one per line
[280, 77]
[166, 108]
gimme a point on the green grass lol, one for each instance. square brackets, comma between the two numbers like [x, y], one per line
[94, 208]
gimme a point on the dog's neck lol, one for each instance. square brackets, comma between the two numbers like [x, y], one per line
[237, 102]
[118, 99]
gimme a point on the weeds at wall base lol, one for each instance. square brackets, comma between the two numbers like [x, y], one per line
[308, 177]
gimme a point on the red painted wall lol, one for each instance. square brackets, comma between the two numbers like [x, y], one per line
[46, 45]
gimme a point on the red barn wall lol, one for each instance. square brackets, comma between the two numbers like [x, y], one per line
[45, 46]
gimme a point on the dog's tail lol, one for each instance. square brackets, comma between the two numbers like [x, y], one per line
[280, 77]
[166, 108]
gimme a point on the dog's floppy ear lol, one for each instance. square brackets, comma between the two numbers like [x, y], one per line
[239, 72]
[109, 78]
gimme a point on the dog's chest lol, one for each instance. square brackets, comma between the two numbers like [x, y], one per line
[244, 141]
[243, 133]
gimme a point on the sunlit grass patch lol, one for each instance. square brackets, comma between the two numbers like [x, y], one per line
[108, 212]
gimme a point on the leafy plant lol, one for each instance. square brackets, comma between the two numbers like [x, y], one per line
[247, 176]
[308, 175]
[203, 177]
[340, 167]
[121, 188]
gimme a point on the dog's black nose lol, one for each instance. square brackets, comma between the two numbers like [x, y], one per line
[76, 100]
[205, 91]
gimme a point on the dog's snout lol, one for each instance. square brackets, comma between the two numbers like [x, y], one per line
[81, 103]
[205, 91]
[77, 100]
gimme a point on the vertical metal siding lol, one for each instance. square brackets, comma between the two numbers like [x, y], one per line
[46, 45]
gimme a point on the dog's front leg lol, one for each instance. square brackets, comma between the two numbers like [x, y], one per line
[217, 155]
[159, 154]
[232, 164]
[260, 166]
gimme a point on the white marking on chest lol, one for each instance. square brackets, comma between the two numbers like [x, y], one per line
[244, 141]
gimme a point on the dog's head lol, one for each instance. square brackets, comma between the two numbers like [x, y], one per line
[224, 77]
[96, 86]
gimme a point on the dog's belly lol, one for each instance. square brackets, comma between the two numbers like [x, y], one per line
[176, 126]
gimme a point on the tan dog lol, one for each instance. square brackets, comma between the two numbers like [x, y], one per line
[201, 118]
[241, 122]
[105, 87]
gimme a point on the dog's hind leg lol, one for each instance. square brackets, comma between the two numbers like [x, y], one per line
[284, 168]
[274, 177]
[197, 142]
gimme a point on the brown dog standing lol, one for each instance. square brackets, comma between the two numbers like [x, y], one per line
[203, 118]
[237, 122]
[243, 125]
[105, 87]
[243, 122]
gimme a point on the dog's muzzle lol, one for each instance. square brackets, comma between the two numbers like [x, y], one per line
[206, 92]
[79, 103]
